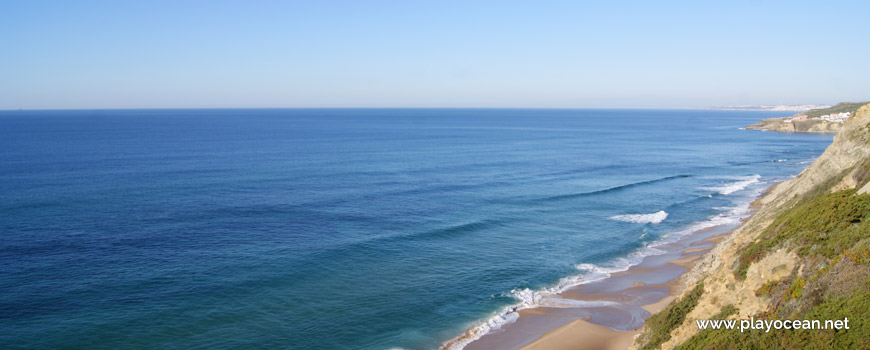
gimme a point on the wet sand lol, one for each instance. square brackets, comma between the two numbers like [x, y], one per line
[608, 313]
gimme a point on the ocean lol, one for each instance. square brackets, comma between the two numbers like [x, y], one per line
[346, 228]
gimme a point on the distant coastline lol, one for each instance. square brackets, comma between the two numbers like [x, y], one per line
[769, 108]
[827, 120]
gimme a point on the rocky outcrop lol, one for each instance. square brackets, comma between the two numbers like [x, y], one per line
[842, 166]
[787, 124]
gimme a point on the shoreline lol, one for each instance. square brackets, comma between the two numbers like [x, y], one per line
[607, 313]
[582, 334]
[618, 299]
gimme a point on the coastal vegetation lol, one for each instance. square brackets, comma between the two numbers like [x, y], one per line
[665, 321]
[822, 226]
[832, 308]
[713, 335]
[831, 233]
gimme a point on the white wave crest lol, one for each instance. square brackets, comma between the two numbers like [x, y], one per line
[728, 216]
[653, 218]
[729, 188]
[528, 298]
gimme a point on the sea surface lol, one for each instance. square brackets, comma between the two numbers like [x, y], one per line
[346, 228]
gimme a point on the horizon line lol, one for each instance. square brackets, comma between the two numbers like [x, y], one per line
[722, 108]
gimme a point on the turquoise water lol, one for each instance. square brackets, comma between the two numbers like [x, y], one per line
[345, 228]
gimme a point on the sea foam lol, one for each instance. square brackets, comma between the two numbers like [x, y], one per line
[653, 218]
[729, 188]
[548, 297]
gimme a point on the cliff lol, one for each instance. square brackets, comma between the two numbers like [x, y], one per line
[810, 121]
[803, 254]
[787, 124]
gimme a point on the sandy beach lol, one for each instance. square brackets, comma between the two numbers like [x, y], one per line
[609, 312]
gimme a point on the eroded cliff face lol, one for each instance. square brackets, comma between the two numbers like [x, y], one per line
[842, 166]
[787, 125]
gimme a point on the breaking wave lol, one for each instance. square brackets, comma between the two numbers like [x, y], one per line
[653, 218]
[741, 183]
[548, 297]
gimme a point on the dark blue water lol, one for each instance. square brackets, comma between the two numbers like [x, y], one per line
[338, 229]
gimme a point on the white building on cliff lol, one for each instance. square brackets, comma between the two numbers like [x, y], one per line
[836, 117]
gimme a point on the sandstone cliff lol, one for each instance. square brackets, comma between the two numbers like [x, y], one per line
[788, 125]
[772, 267]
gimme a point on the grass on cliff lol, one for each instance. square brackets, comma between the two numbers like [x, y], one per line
[703, 338]
[661, 324]
[824, 225]
[855, 306]
[831, 234]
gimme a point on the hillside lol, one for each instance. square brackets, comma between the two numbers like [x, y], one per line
[812, 121]
[842, 107]
[804, 254]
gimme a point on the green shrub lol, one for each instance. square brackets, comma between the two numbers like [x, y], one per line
[766, 288]
[855, 307]
[726, 311]
[794, 291]
[824, 225]
[662, 323]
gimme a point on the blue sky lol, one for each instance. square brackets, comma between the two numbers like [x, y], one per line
[560, 54]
